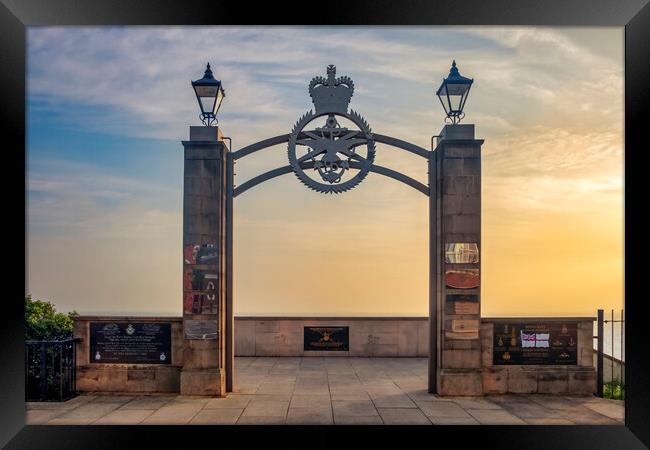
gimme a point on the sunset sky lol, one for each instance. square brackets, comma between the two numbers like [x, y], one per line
[108, 107]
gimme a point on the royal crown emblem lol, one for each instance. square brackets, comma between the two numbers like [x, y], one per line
[331, 150]
[331, 94]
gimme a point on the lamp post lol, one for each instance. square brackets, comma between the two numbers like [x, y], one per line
[453, 93]
[209, 93]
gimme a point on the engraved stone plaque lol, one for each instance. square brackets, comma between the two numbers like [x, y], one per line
[552, 343]
[464, 325]
[461, 253]
[466, 308]
[201, 329]
[200, 254]
[462, 278]
[327, 338]
[465, 335]
[130, 342]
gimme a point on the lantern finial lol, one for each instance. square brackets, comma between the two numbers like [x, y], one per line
[453, 94]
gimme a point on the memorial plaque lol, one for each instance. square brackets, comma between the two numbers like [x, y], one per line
[552, 343]
[327, 338]
[464, 325]
[200, 254]
[462, 279]
[466, 308]
[130, 343]
[201, 329]
[461, 253]
[462, 335]
[209, 303]
[200, 303]
[193, 279]
[210, 281]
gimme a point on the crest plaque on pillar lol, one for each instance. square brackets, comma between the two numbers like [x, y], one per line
[332, 157]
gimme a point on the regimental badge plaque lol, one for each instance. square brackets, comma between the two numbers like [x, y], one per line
[200, 254]
[552, 343]
[130, 343]
[461, 253]
[462, 279]
[201, 329]
[466, 308]
[464, 325]
[327, 339]
[200, 302]
[462, 335]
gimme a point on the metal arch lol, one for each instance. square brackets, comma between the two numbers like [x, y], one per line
[394, 142]
[309, 165]
[404, 145]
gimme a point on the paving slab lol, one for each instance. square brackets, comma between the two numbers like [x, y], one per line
[146, 402]
[174, 413]
[68, 404]
[469, 420]
[401, 416]
[475, 403]
[232, 401]
[614, 409]
[437, 408]
[87, 413]
[266, 408]
[549, 421]
[41, 416]
[354, 408]
[310, 401]
[219, 416]
[310, 416]
[393, 401]
[124, 417]
[358, 420]
[261, 420]
[495, 417]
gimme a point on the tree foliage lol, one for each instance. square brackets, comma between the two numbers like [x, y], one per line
[42, 322]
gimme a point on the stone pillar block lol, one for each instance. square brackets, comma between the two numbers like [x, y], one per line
[208, 382]
[495, 380]
[582, 381]
[452, 382]
[458, 166]
[203, 296]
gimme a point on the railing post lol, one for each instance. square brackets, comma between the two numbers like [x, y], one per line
[60, 372]
[599, 355]
[43, 371]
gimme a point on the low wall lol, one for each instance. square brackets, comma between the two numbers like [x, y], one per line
[368, 336]
[102, 377]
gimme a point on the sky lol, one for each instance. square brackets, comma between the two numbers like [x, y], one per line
[108, 108]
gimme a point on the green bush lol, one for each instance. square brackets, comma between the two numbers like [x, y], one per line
[42, 322]
[614, 389]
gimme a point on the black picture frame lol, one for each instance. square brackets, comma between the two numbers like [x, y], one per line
[634, 15]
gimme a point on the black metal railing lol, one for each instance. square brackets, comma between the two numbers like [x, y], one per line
[50, 370]
[614, 387]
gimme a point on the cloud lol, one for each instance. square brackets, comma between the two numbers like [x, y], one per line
[70, 198]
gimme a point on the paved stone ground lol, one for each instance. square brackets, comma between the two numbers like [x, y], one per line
[332, 390]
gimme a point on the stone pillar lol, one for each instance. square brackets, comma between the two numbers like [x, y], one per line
[458, 161]
[204, 202]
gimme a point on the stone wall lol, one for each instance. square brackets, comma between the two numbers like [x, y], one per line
[283, 336]
[102, 377]
[369, 337]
